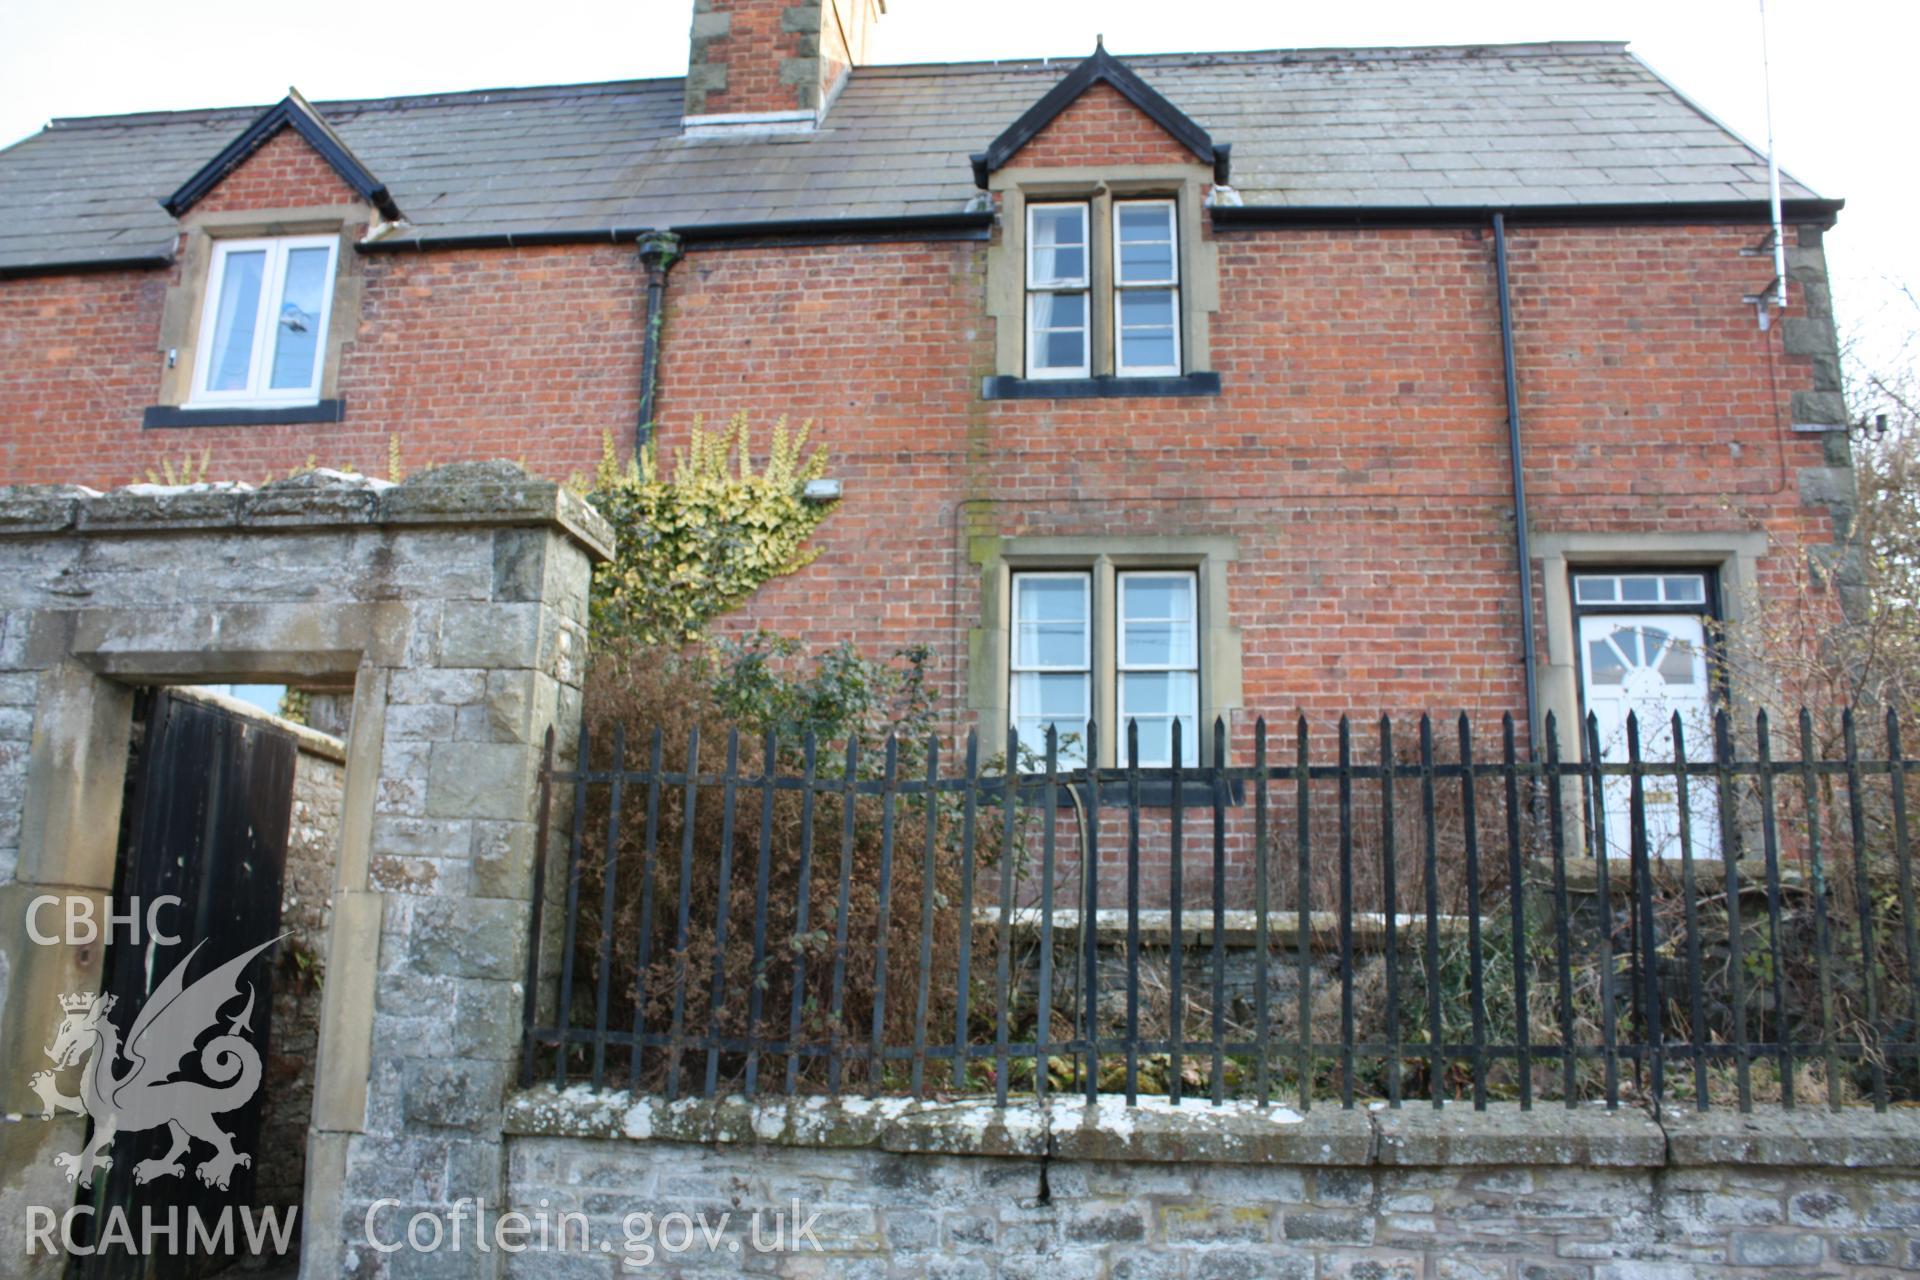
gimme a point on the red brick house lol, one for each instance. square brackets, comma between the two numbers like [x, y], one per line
[1159, 387]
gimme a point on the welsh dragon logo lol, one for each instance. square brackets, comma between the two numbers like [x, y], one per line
[142, 1094]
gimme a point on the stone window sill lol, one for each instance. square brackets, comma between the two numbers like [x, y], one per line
[166, 415]
[1000, 387]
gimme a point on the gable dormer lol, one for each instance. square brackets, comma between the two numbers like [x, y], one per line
[1103, 111]
[1103, 281]
[267, 295]
[288, 156]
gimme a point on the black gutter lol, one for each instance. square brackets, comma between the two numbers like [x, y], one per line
[696, 233]
[658, 253]
[1651, 213]
[1521, 550]
[504, 239]
[972, 226]
[143, 262]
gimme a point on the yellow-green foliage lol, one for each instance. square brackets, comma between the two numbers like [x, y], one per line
[698, 535]
[191, 470]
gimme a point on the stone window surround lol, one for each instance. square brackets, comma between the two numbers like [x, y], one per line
[1185, 184]
[185, 306]
[1734, 556]
[988, 647]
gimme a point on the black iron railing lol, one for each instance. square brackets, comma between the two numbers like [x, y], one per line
[1300, 927]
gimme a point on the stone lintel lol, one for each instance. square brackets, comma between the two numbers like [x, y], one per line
[487, 494]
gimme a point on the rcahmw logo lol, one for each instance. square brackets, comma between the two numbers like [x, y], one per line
[132, 1087]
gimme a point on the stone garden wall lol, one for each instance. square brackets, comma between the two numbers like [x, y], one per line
[1076, 1193]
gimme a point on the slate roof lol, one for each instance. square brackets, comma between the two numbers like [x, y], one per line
[1510, 126]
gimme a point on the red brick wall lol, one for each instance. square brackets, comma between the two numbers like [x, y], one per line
[1101, 127]
[284, 173]
[79, 358]
[1358, 451]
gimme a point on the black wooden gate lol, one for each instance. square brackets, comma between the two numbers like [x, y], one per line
[209, 800]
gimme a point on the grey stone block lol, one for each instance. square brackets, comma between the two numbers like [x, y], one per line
[1098, 1222]
[1864, 1251]
[1821, 1207]
[1819, 406]
[429, 722]
[503, 860]
[1370, 1266]
[1326, 1226]
[481, 780]
[486, 1019]
[1804, 337]
[1250, 1264]
[1638, 1270]
[489, 635]
[1777, 1249]
[958, 1269]
[1551, 1271]
[470, 938]
[1191, 1223]
[1457, 1267]
[396, 836]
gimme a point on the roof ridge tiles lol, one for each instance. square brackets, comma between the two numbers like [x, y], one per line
[392, 102]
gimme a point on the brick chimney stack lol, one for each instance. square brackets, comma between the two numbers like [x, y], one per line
[772, 63]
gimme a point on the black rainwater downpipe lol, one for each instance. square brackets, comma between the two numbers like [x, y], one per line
[659, 250]
[1521, 550]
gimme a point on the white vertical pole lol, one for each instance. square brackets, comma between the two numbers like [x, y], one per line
[1773, 171]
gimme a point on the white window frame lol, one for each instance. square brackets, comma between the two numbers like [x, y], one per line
[1016, 669]
[1082, 286]
[266, 324]
[1662, 579]
[1170, 284]
[1190, 744]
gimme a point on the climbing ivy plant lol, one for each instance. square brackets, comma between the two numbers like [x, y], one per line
[699, 533]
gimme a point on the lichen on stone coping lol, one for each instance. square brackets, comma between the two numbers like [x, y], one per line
[1064, 1127]
[464, 493]
[1158, 1131]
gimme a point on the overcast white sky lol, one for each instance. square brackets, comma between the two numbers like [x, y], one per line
[1843, 74]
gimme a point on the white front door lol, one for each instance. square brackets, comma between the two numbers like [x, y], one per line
[1652, 665]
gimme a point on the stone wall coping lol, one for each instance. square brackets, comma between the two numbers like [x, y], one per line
[308, 741]
[1366, 929]
[1157, 1132]
[1420, 1135]
[1808, 1136]
[488, 494]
